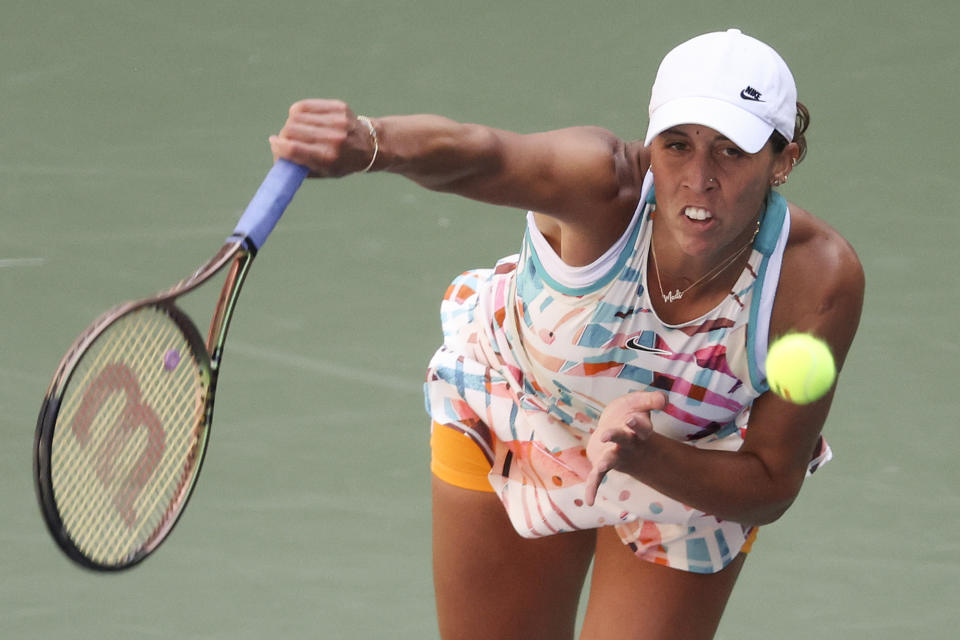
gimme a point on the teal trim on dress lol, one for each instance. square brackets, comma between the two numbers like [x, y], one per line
[607, 278]
[765, 243]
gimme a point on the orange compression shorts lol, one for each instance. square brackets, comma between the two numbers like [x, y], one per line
[457, 460]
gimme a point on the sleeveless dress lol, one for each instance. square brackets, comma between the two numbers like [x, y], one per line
[534, 350]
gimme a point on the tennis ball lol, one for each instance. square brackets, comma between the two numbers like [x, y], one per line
[800, 368]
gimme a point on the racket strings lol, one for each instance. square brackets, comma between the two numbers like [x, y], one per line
[128, 435]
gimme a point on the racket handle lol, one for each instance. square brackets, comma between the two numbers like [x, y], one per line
[268, 204]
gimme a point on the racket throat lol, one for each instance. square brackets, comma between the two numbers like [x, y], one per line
[220, 322]
[244, 241]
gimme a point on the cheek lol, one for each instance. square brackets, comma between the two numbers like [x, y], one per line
[750, 200]
[755, 191]
[751, 187]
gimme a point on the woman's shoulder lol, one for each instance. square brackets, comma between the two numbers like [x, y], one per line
[816, 243]
[608, 173]
[821, 282]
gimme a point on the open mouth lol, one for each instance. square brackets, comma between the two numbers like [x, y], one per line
[697, 214]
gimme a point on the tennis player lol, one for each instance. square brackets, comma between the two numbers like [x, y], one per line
[652, 276]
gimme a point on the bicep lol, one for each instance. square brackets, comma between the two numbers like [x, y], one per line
[821, 287]
[821, 293]
[566, 172]
[561, 173]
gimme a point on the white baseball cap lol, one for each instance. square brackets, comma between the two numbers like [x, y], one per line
[727, 81]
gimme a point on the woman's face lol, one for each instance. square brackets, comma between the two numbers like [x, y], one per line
[710, 192]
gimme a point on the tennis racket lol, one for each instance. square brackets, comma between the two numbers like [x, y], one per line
[125, 422]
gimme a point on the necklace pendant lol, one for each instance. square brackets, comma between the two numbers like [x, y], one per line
[672, 296]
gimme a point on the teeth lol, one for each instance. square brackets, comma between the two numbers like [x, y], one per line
[695, 213]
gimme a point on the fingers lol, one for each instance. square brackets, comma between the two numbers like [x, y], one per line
[642, 401]
[320, 157]
[621, 439]
[318, 106]
[605, 451]
[592, 483]
[325, 136]
[636, 403]
[636, 427]
[596, 476]
[634, 407]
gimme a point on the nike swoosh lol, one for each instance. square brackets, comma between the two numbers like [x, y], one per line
[633, 343]
[747, 96]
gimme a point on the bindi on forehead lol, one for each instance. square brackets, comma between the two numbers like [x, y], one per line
[694, 130]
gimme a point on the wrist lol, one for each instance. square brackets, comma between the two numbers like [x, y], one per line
[374, 141]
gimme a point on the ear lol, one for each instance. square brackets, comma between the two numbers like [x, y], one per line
[783, 163]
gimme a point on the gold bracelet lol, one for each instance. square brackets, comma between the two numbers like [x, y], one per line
[376, 143]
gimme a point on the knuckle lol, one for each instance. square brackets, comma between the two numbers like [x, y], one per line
[298, 107]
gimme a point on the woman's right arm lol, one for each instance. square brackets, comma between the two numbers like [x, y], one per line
[570, 174]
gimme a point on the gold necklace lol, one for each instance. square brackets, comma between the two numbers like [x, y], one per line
[676, 294]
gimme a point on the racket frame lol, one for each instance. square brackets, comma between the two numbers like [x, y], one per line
[255, 225]
[209, 354]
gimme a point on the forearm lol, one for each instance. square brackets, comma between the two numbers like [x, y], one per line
[735, 486]
[570, 171]
[440, 154]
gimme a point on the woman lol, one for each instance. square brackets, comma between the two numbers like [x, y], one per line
[651, 279]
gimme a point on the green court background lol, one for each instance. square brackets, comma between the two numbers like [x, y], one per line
[132, 134]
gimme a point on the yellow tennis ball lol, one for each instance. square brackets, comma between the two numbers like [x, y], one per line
[800, 368]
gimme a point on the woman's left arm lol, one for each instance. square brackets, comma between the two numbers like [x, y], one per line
[820, 292]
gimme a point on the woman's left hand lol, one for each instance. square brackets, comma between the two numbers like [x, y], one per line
[621, 437]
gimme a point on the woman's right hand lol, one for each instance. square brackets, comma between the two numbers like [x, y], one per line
[326, 137]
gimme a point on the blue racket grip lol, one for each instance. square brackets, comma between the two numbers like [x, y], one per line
[269, 202]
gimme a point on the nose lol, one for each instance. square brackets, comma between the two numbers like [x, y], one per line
[701, 174]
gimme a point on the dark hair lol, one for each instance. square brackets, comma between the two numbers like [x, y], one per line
[779, 142]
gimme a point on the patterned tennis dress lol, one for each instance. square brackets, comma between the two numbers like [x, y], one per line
[530, 359]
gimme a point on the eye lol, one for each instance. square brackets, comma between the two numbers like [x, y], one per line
[732, 151]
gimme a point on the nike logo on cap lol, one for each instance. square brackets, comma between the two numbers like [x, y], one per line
[751, 94]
